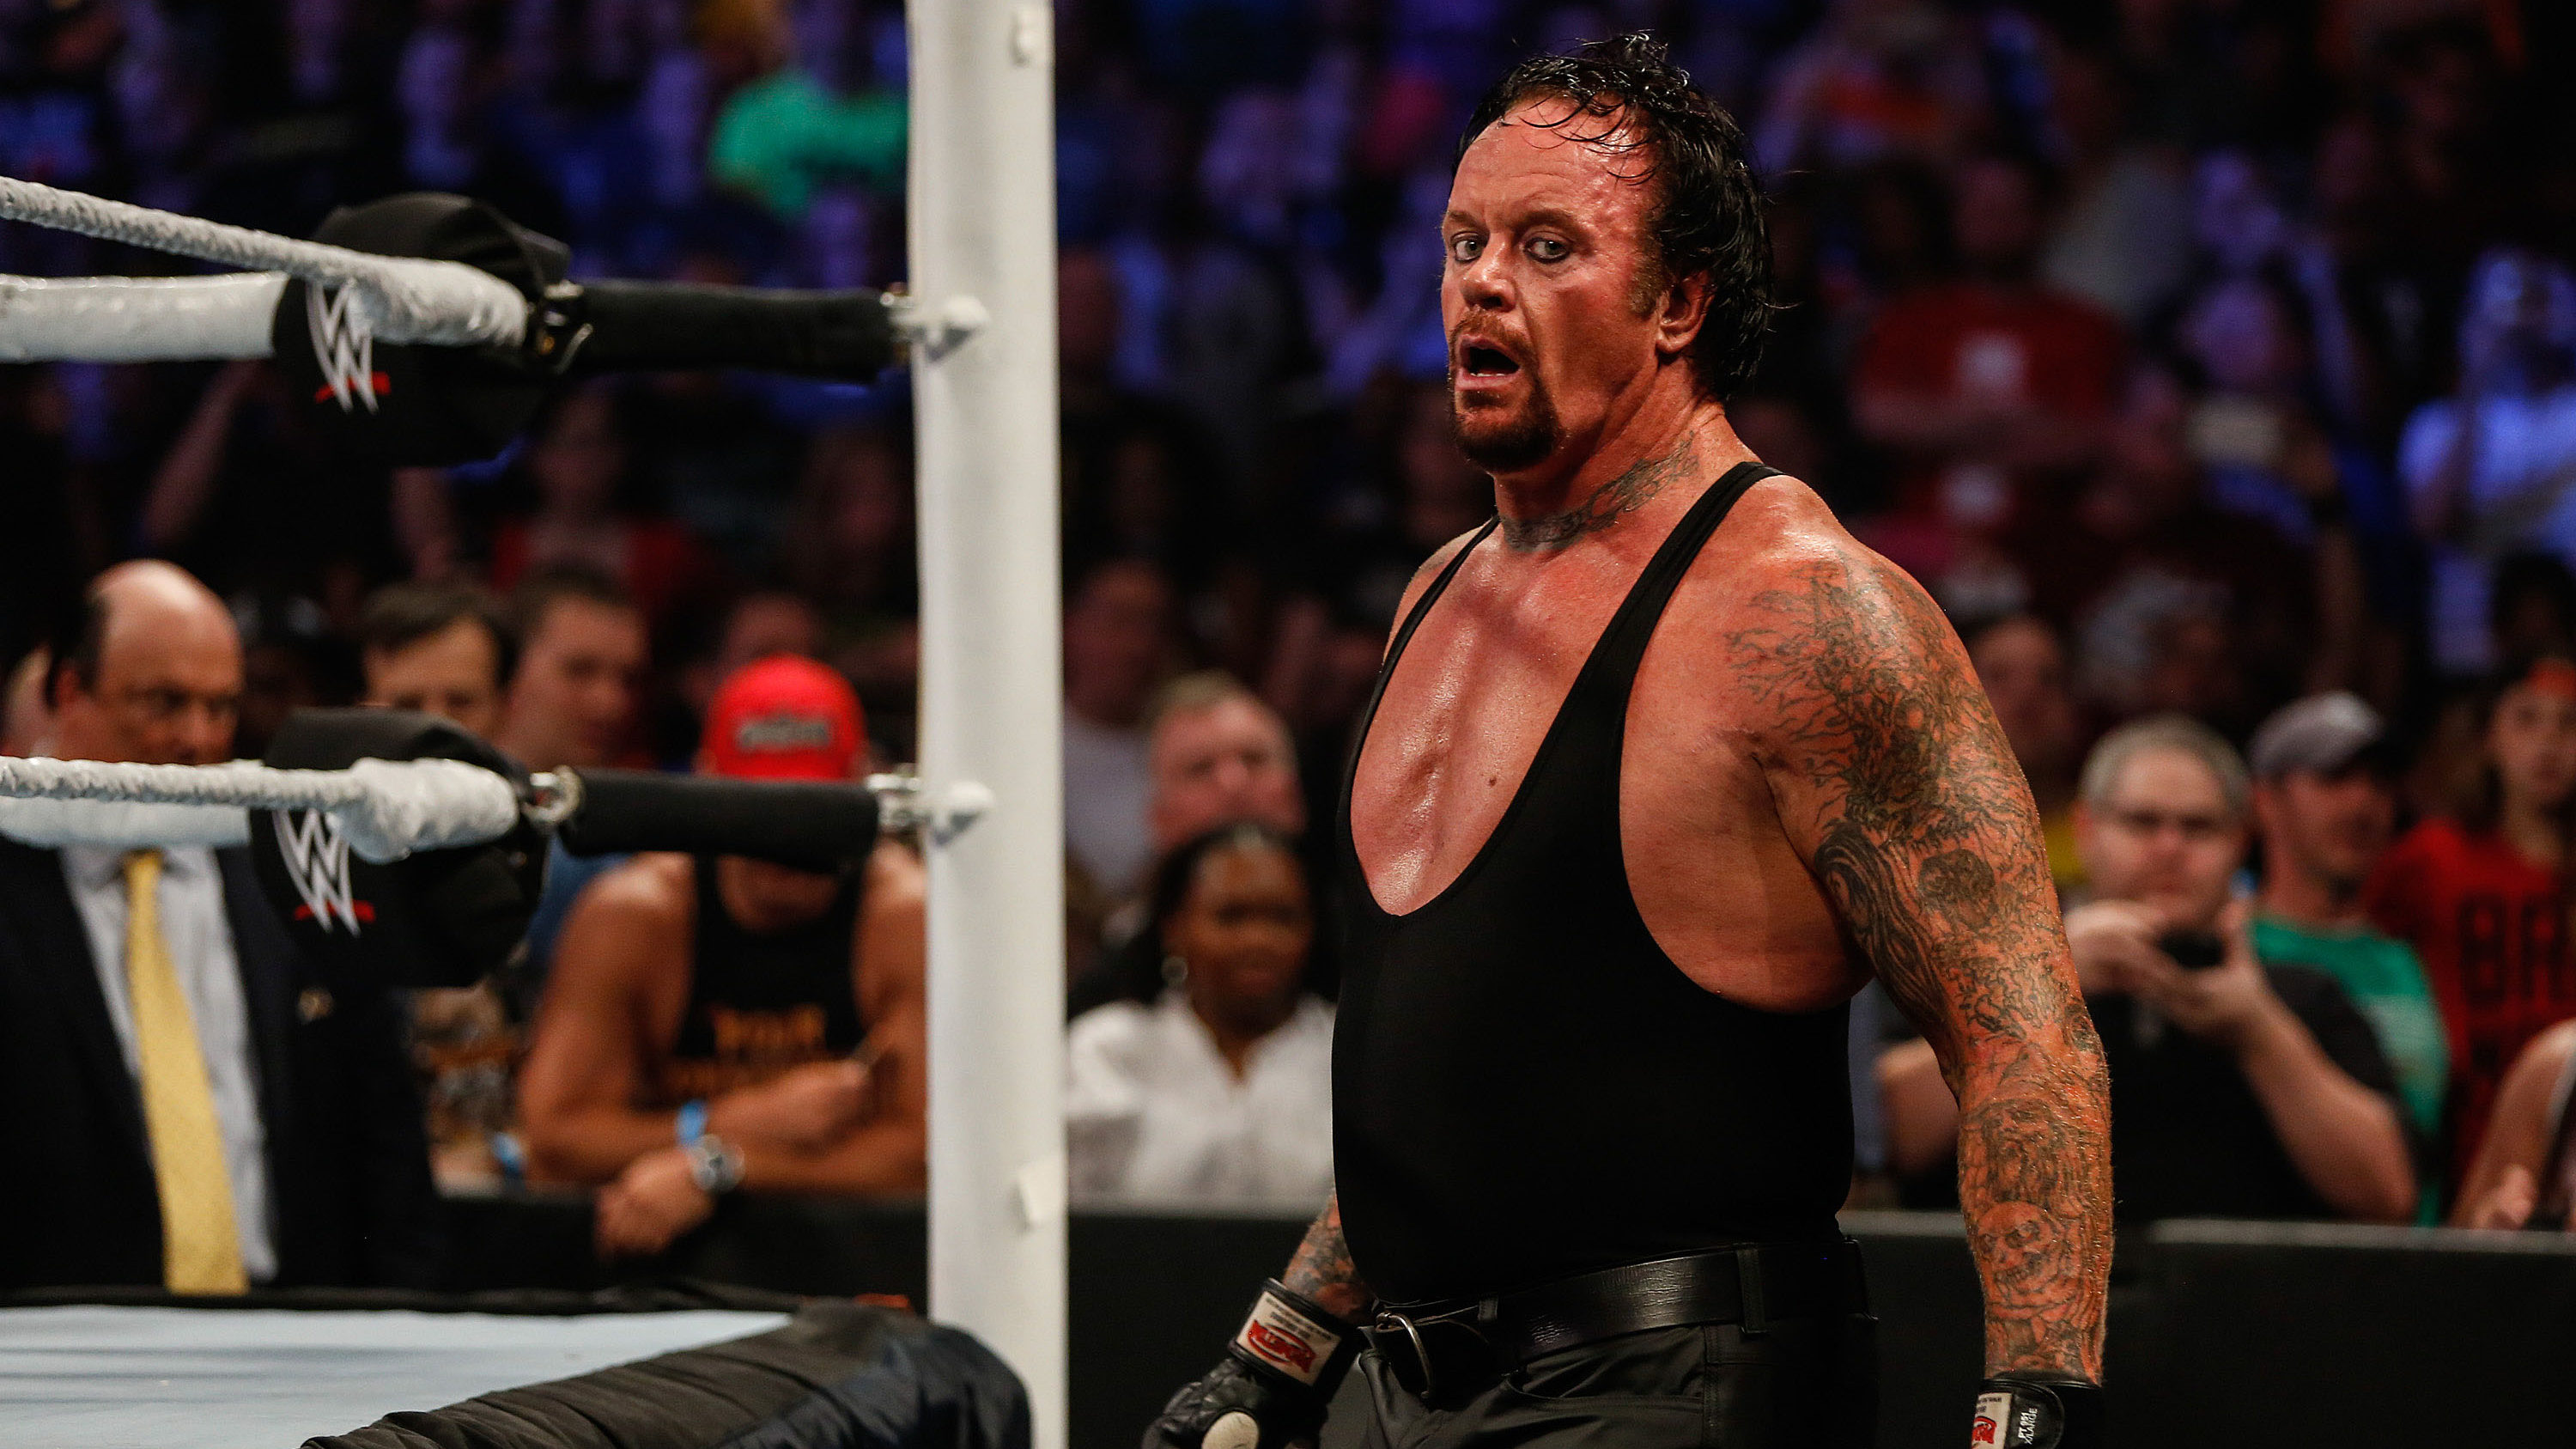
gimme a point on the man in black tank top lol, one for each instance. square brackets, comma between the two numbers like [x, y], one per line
[722, 1022]
[1661, 768]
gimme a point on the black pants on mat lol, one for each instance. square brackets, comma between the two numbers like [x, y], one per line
[1802, 1384]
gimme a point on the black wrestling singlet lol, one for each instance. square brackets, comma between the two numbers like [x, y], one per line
[1524, 1084]
[762, 1003]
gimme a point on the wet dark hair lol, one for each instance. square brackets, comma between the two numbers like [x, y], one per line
[1707, 217]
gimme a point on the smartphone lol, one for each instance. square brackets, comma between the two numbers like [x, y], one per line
[2193, 950]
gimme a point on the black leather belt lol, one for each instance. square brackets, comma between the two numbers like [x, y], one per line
[1447, 1345]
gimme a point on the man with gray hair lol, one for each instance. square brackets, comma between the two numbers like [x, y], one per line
[1218, 755]
[2237, 1089]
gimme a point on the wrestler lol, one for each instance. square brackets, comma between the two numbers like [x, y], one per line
[1662, 767]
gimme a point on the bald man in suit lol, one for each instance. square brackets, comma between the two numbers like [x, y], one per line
[195, 1106]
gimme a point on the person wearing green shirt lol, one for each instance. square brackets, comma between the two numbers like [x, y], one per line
[2324, 811]
[823, 121]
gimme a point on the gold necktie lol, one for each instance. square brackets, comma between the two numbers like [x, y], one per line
[200, 1247]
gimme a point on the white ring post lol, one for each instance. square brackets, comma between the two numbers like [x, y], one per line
[982, 314]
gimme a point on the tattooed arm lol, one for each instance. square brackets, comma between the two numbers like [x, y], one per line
[1322, 1268]
[1894, 782]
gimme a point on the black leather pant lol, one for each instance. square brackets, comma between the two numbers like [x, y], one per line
[1804, 1384]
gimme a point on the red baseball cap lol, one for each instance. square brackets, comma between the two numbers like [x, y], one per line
[783, 718]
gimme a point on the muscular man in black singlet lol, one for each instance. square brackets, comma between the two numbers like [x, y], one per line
[1662, 766]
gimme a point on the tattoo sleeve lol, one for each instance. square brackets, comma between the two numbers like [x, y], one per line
[1895, 781]
[1322, 1268]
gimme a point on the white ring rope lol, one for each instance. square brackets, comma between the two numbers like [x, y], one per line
[403, 299]
[386, 808]
[138, 319]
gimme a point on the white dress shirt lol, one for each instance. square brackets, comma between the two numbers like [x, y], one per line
[1155, 1115]
[200, 938]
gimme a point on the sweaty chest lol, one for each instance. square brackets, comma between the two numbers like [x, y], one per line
[1519, 727]
[1465, 712]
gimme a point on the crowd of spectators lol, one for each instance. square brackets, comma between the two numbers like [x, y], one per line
[2204, 358]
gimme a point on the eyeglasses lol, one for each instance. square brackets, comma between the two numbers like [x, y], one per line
[2193, 828]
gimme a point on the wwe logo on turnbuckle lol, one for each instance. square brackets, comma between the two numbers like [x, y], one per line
[317, 860]
[342, 345]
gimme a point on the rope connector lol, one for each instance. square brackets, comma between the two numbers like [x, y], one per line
[904, 806]
[937, 330]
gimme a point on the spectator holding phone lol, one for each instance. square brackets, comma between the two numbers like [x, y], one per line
[2237, 1089]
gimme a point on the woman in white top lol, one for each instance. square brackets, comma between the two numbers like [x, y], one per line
[1218, 1094]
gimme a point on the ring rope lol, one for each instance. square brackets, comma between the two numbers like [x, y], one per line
[404, 299]
[386, 808]
[138, 319]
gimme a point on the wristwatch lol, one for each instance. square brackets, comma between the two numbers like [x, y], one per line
[715, 1165]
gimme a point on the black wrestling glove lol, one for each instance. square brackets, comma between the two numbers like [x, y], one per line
[2038, 1411]
[1273, 1385]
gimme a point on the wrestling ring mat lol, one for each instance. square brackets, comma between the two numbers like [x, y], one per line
[621, 1370]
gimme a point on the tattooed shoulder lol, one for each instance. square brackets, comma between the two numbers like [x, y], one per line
[1896, 782]
[1911, 792]
[1868, 689]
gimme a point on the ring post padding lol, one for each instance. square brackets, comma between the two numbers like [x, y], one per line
[817, 824]
[982, 217]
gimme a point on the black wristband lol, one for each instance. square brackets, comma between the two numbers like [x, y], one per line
[2038, 1411]
[1294, 1337]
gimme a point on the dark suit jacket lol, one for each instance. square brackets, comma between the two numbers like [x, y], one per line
[349, 1185]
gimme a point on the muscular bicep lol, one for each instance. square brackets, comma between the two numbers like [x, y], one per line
[1894, 783]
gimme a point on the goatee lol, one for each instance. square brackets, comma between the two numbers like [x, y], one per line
[1506, 442]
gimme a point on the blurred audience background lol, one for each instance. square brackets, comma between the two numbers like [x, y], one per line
[2201, 357]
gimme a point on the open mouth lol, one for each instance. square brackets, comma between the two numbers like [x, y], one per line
[1489, 362]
